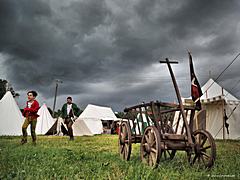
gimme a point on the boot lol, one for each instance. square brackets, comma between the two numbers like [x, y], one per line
[23, 141]
[71, 138]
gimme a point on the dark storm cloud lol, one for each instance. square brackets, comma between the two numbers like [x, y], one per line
[106, 52]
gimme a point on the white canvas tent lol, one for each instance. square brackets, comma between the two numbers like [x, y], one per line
[44, 121]
[11, 118]
[89, 122]
[58, 128]
[216, 100]
[180, 125]
[81, 128]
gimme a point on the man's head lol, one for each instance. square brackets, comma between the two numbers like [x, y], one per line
[32, 95]
[69, 100]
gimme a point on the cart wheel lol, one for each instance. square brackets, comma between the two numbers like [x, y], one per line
[150, 146]
[204, 153]
[168, 154]
[125, 141]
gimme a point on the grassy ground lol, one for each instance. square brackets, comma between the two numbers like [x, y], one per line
[97, 158]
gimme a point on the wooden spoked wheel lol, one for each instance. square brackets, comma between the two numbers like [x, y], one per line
[150, 146]
[125, 141]
[167, 154]
[204, 153]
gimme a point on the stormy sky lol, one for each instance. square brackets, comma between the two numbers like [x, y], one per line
[106, 52]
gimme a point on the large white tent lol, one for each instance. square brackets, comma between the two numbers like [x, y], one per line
[216, 100]
[90, 121]
[11, 118]
[81, 128]
[218, 103]
[44, 121]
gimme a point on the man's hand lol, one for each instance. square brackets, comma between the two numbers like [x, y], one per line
[26, 109]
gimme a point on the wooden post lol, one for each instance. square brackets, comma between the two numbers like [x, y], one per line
[146, 112]
[156, 119]
[141, 115]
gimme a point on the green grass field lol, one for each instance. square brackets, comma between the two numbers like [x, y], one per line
[97, 158]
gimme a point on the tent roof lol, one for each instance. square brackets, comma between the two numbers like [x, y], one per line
[212, 89]
[98, 112]
[45, 120]
[11, 118]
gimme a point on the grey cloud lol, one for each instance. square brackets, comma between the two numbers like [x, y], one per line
[116, 43]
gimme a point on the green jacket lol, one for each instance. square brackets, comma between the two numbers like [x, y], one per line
[75, 109]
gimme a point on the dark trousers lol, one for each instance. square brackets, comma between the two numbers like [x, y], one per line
[33, 123]
[69, 123]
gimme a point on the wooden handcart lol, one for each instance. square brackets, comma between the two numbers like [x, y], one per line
[162, 129]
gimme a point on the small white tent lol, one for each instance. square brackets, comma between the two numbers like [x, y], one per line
[58, 127]
[216, 100]
[89, 122]
[11, 118]
[44, 121]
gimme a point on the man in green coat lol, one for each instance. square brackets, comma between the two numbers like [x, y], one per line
[69, 112]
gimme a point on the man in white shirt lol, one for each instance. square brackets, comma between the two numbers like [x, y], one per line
[69, 112]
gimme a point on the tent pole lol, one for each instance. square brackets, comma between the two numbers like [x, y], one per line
[55, 96]
[223, 119]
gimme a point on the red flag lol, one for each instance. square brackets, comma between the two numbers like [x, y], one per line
[196, 91]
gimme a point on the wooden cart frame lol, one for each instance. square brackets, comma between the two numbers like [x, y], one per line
[162, 129]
